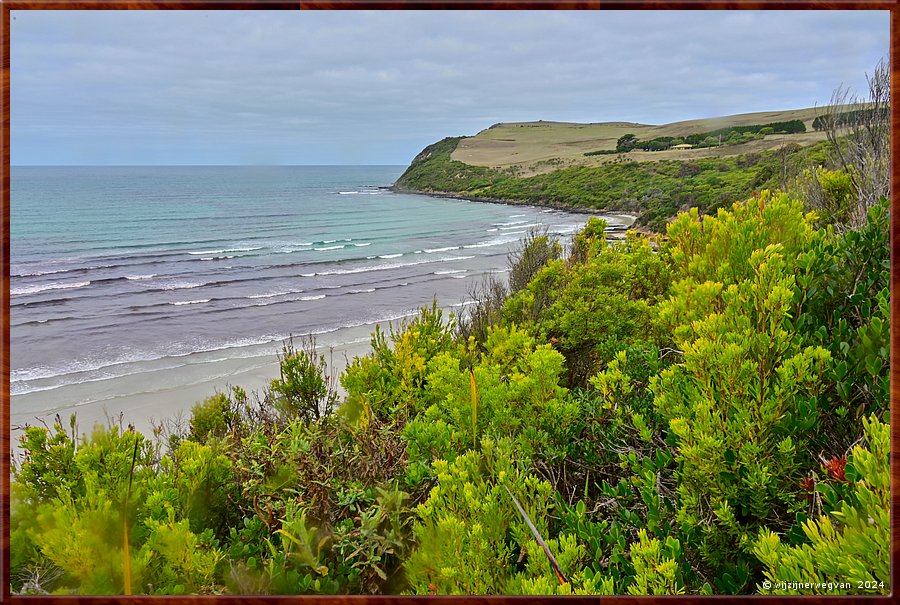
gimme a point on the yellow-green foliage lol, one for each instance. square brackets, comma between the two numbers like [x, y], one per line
[49, 466]
[656, 566]
[538, 577]
[182, 561]
[80, 531]
[77, 495]
[849, 550]
[717, 248]
[83, 537]
[517, 393]
[744, 371]
[390, 379]
[469, 534]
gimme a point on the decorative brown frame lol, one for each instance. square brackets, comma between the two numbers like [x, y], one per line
[9, 5]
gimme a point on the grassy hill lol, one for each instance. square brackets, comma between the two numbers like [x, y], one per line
[545, 163]
[538, 147]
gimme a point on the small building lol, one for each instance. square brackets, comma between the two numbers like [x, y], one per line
[682, 146]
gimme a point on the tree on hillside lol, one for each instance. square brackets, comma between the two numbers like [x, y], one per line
[626, 142]
[859, 131]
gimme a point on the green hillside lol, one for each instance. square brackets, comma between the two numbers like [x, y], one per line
[653, 190]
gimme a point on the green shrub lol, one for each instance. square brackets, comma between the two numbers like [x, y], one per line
[470, 537]
[843, 294]
[200, 475]
[513, 391]
[213, 418]
[179, 561]
[602, 302]
[84, 538]
[391, 379]
[741, 405]
[830, 193]
[533, 253]
[304, 389]
[81, 531]
[848, 551]
[48, 467]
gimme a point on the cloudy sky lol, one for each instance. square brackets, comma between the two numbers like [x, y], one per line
[319, 87]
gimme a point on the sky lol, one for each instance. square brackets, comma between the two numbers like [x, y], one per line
[372, 87]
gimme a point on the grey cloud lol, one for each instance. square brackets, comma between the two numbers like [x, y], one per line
[321, 87]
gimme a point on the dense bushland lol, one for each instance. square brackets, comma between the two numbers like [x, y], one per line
[699, 413]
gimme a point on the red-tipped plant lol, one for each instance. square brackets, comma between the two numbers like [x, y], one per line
[835, 468]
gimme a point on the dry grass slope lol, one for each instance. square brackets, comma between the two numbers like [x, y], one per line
[540, 147]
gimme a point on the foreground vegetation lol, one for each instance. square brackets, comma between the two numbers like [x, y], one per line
[701, 419]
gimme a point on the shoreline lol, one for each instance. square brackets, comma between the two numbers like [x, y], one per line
[615, 231]
[489, 200]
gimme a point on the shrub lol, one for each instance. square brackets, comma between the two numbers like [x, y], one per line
[533, 253]
[392, 378]
[843, 298]
[848, 551]
[741, 406]
[471, 539]
[602, 303]
[200, 477]
[511, 391]
[179, 561]
[81, 531]
[304, 390]
[213, 418]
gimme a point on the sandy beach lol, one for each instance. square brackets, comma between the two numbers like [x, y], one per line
[141, 401]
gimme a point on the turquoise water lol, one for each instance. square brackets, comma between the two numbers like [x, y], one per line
[118, 271]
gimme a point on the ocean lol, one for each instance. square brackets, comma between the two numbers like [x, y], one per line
[136, 290]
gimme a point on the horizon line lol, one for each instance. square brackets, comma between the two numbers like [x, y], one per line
[197, 165]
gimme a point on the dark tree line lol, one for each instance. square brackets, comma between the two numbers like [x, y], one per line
[730, 136]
